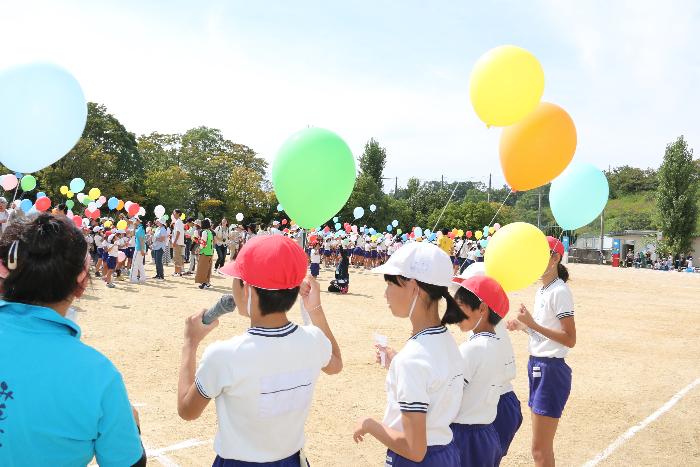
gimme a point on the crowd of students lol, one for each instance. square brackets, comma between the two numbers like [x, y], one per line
[447, 405]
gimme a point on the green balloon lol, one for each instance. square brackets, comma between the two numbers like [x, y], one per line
[28, 183]
[70, 203]
[313, 176]
[87, 200]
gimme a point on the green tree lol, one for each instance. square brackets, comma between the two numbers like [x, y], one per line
[245, 194]
[676, 199]
[627, 180]
[169, 187]
[159, 151]
[373, 161]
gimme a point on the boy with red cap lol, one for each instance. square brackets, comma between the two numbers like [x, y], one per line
[484, 304]
[262, 380]
[552, 332]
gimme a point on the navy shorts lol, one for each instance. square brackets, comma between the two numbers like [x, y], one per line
[436, 456]
[550, 385]
[326, 252]
[100, 253]
[477, 444]
[105, 255]
[315, 269]
[111, 262]
[508, 419]
[373, 254]
[129, 252]
[291, 461]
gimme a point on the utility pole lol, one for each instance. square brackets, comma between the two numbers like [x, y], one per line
[488, 193]
[539, 208]
[396, 188]
[442, 182]
[602, 236]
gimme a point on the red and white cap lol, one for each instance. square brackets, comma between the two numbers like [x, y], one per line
[555, 245]
[270, 262]
[488, 290]
[423, 262]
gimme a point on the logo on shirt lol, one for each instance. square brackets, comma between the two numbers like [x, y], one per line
[5, 395]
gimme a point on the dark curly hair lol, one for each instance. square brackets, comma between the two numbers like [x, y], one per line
[50, 254]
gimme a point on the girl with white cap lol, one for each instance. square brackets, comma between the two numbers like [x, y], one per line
[424, 382]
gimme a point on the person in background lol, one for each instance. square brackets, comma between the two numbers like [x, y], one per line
[196, 233]
[220, 244]
[61, 401]
[138, 265]
[204, 261]
[4, 215]
[341, 283]
[315, 258]
[178, 242]
[262, 380]
[235, 239]
[160, 242]
[189, 227]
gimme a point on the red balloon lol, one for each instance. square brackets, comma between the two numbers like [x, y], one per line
[134, 209]
[348, 229]
[451, 234]
[286, 230]
[43, 203]
[469, 234]
[284, 221]
[327, 229]
[95, 214]
[78, 221]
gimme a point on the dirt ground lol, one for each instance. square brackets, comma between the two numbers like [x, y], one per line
[638, 345]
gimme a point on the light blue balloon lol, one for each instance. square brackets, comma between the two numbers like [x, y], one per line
[372, 231]
[418, 232]
[404, 237]
[484, 242]
[578, 195]
[112, 203]
[358, 212]
[335, 219]
[337, 226]
[76, 185]
[26, 205]
[361, 229]
[41, 194]
[433, 236]
[389, 228]
[427, 232]
[280, 208]
[42, 115]
[486, 231]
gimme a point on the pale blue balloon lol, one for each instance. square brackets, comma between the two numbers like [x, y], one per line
[395, 223]
[372, 231]
[358, 212]
[578, 195]
[41, 194]
[112, 203]
[389, 228]
[484, 242]
[433, 236]
[404, 237]
[335, 219]
[418, 232]
[337, 226]
[26, 205]
[280, 208]
[76, 185]
[42, 115]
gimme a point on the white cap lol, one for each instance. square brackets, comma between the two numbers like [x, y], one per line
[97, 229]
[423, 262]
[474, 269]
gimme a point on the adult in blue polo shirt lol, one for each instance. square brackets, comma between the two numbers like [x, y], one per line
[61, 402]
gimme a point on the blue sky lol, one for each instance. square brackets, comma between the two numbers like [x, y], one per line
[398, 71]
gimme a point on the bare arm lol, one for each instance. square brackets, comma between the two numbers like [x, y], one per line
[566, 336]
[190, 403]
[311, 295]
[412, 443]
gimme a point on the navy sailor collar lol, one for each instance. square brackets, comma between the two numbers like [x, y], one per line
[485, 334]
[429, 331]
[281, 331]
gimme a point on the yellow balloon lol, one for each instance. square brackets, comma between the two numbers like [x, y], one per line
[506, 84]
[479, 234]
[517, 255]
[182, 216]
[121, 225]
[108, 224]
[69, 194]
[460, 233]
[491, 230]
[94, 193]
[64, 190]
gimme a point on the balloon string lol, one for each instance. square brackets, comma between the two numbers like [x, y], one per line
[15, 196]
[501, 206]
[445, 206]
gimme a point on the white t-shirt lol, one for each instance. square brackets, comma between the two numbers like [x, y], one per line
[263, 383]
[471, 255]
[112, 248]
[179, 227]
[4, 216]
[426, 376]
[552, 303]
[98, 241]
[509, 356]
[482, 356]
[315, 256]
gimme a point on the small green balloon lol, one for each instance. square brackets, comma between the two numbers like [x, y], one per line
[313, 176]
[399, 231]
[87, 200]
[70, 203]
[28, 183]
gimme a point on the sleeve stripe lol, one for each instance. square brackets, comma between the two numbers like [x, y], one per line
[565, 314]
[415, 410]
[200, 389]
[413, 403]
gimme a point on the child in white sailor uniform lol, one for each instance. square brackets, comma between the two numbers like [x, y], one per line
[552, 332]
[484, 304]
[424, 381]
[263, 380]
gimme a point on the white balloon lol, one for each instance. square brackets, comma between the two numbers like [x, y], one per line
[372, 207]
[159, 210]
[239, 217]
[126, 205]
[142, 211]
[92, 206]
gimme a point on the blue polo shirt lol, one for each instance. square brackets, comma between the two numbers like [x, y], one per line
[140, 238]
[61, 401]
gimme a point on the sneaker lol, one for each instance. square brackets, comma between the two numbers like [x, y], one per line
[177, 274]
[201, 286]
[206, 286]
[110, 285]
[219, 272]
[97, 274]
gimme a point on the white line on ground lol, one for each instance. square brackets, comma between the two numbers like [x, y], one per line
[640, 426]
[189, 443]
[160, 457]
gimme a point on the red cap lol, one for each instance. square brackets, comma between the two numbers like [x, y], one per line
[488, 290]
[555, 245]
[270, 262]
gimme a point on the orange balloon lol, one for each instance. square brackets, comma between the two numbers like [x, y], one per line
[120, 205]
[537, 149]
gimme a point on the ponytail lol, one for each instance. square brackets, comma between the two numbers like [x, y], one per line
[454, 313]
[562, 272]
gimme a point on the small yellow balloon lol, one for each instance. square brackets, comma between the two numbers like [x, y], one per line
[491, 230]
[506, 84]
[479, 234]
[121, 225]
[64, 190]
[517, 256]
[69, 194]
[460, 233]
[94, 193]
[108, 224]
[182, 216]
[120, 205]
